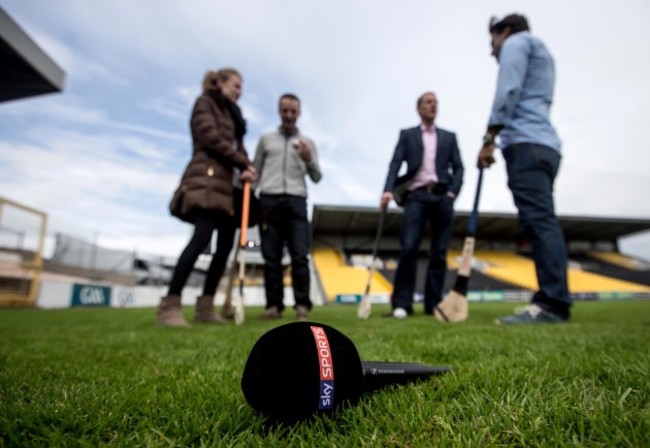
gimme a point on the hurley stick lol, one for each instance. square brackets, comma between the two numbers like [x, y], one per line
[239, 304]
[454, 307]
[227, 311]
[363, 311]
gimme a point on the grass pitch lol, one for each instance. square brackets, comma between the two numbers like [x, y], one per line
[98, 377]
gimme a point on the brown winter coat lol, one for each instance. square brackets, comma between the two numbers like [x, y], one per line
[207, 182]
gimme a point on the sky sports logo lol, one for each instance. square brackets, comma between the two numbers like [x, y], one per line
[325, 367]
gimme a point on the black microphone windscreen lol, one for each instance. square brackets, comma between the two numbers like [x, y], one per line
[300, 369]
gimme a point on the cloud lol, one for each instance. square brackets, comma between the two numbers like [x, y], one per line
[64, 111]
[110, 149]
[76, 67]
[114, 185]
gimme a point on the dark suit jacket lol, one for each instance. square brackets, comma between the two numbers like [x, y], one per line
[410, 149]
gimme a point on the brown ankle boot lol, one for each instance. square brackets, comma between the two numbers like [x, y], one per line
[169, 312]
[271, 313]
[204, 311]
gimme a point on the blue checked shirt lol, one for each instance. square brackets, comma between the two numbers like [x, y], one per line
[524, 93]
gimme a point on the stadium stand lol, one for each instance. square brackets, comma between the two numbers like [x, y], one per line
[509, 267]
[520, 270]
[342, 249]
[477, 282]
[26, 70]
[337, 277]
[615, 265]
[502, 261]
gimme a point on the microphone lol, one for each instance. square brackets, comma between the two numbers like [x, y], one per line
[301, 369]
[377, 375]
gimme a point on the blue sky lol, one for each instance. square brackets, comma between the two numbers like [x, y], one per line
[103, 157]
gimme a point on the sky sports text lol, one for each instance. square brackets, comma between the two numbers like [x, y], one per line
[325, 367]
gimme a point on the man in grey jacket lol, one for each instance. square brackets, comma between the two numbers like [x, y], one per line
[283, 159]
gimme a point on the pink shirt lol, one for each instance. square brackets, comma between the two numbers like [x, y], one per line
[427, 172]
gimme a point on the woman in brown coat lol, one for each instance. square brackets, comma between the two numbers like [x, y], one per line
[205, 194]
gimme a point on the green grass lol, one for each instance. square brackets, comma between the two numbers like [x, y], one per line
[93, 377]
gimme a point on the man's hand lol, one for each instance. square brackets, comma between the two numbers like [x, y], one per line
[485, 156]
[385, 199]
[249, 174]
[303, 150]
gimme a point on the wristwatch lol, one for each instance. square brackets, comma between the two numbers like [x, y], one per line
[488, 139]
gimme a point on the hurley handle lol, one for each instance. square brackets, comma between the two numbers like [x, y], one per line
[246, 200]
[473, 219]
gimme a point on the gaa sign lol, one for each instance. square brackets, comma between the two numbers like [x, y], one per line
[90, 295]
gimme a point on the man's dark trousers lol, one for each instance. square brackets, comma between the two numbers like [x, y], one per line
[285, 220]
[531, 172]
[438, 210]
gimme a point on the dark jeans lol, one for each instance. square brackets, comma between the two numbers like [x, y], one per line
[420, 207]
[285, 222]
[531, 172]
[205, 223]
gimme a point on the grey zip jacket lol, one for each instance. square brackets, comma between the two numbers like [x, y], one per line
[280, 168]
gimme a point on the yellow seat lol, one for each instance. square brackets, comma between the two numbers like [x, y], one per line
[518, 270]
[339, 278]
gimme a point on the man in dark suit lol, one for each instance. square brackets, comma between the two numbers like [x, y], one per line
[427, 192]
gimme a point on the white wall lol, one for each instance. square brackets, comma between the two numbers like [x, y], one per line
[58, 294]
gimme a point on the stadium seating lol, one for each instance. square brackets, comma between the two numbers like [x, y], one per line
[520, 270]
[509, 267]
[508, 271]
[338, 278]
[616, 265]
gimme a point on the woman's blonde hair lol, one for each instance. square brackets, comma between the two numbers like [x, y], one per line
[211, 77]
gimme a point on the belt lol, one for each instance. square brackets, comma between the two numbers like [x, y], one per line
[433, 187]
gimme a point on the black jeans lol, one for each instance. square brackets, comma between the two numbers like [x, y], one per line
[205, 223]
[419, 207]
[285, 221]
